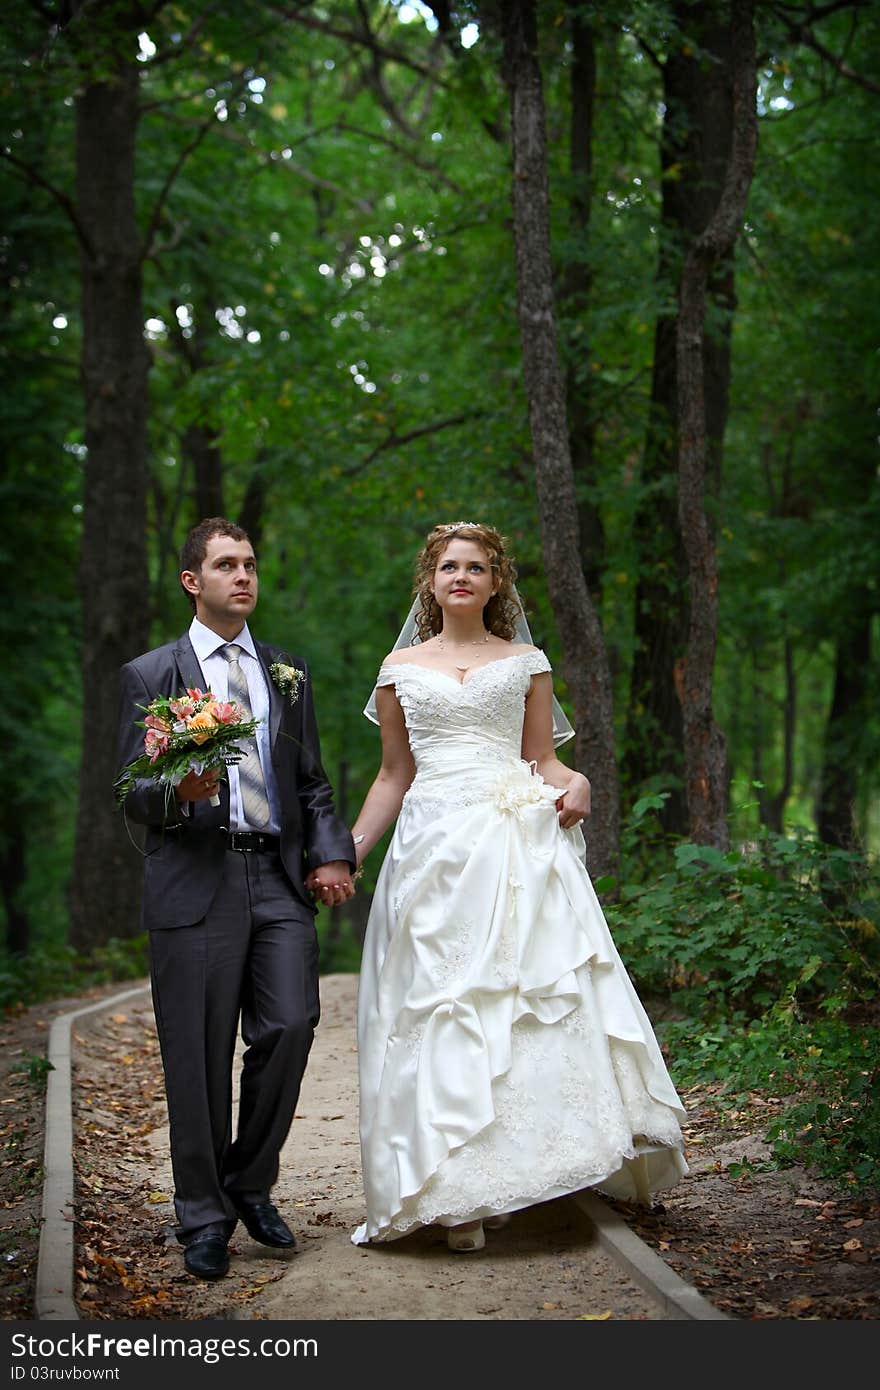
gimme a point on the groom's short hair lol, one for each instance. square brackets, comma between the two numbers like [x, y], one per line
[195, 547]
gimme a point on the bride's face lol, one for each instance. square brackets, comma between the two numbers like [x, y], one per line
[463, 578]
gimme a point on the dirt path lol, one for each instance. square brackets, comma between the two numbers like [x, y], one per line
[546, 1265]
[761, 1243]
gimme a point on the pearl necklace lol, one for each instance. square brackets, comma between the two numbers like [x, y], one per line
[480, 643]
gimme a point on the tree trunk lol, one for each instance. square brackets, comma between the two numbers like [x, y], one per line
[199, 441]
[13, 872]
[841, 745]
[105, 891]
[772, 804]
[576, 290]
[704, 743]
[200, 449]
[694, 152]
[780, 504]
[253, 505]
[585, 663]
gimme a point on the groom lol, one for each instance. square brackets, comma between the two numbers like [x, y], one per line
[228, 903]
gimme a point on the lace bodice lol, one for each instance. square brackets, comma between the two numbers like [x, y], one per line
[482, 714]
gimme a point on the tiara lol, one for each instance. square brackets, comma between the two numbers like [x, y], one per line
[457, 525]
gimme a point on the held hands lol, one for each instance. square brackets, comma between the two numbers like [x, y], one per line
[574, 804]
[331, 883]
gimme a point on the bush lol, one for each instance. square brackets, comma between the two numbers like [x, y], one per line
[769, 956]
[825, 1071]
[52, 971]
[723, 932]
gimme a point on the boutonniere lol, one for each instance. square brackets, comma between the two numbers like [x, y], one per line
[287, 678]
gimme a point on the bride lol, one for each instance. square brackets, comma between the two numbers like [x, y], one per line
[504, 1055]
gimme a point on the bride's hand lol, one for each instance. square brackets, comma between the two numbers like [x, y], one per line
[331, 883]
[574, 804]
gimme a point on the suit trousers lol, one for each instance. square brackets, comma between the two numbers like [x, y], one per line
[253, 958]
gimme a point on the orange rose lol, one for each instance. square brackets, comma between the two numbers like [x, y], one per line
[201, 726]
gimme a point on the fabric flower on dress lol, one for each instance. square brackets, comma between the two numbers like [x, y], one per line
[518, 786]
[287, 678]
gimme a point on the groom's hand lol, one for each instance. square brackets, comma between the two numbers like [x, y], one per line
[198, 786]
[331, 883]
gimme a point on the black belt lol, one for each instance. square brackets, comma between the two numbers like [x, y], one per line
[248, 841]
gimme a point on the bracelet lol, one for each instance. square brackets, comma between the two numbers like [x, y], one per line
[358, 839]
[358, 873]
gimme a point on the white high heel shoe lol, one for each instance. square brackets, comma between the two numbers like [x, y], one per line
[494, 1223]
[467, 1237]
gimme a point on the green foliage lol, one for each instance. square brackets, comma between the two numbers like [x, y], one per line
[330, 297]
[340, 952]
[823, 1072]
[718, 932]
[770, 988]
[838, 1132]
[34, 1068]
[55, 971]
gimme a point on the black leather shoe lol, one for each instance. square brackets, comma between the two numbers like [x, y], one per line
[262, 1221]
[207, 1257]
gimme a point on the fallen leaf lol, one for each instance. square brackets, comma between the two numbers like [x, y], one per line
[852, 1244]
[595, 1317]
[800, 1305]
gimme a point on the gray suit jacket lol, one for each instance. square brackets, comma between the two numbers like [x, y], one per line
[184, 853]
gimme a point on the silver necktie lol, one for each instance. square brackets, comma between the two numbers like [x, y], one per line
[254, 799]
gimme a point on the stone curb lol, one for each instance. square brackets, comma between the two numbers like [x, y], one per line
[678, 1299]
[55, 1261]
[53, 1297]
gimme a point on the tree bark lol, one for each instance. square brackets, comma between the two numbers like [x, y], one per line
[772, 804]
[849, 711]
[199, 440]
[781, 502]
[585, 663]
[105, 890]
[251, 513]
[13, 873]
[577, 289]
[694, 152]
[200, 448]
[704, 743]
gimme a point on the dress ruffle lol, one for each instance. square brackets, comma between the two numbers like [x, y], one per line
[505, 1057]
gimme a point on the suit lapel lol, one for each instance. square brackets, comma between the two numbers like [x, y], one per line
[188, 665]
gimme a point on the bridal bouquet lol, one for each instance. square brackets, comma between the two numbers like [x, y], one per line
[190, 733]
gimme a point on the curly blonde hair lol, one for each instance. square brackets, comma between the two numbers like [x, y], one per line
[502, 610]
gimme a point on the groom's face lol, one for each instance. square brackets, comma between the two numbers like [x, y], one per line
[225, 588]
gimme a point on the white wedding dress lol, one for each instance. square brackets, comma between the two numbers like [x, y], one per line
[504, 1055]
